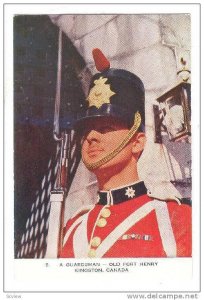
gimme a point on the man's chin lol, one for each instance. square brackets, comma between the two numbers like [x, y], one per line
[91, 162]
[98, 169]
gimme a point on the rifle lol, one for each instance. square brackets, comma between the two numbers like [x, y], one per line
[59, 193]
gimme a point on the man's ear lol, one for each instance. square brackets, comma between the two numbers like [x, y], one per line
[138, 142]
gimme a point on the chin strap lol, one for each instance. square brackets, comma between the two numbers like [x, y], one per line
[120, 147]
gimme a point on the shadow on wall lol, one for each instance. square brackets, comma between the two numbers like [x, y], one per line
[166, 168]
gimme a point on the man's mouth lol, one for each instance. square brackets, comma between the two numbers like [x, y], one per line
[94, 151]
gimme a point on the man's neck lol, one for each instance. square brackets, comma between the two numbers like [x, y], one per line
[108, 179]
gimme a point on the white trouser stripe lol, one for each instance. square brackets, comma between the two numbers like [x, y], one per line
[135, 217]
[165, 228]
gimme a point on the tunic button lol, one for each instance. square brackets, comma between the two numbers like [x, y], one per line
[92, 253]
[101, 222]
[95, 242]
[106, 213]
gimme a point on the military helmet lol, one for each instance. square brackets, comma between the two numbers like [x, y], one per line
[115, 93]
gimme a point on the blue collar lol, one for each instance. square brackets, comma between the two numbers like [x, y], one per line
[123, 194]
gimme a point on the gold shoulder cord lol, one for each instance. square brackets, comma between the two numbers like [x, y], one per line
[112, 154]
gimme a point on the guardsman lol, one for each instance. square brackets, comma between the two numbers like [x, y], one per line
[125, 222]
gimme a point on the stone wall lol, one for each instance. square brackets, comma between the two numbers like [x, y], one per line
[151, 47]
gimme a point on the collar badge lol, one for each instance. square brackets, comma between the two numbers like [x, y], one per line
[130, 192]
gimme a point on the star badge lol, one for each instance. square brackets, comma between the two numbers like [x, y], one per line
[100, 93]
[130, 192]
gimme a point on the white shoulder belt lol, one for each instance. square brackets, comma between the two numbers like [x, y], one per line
[80, 241]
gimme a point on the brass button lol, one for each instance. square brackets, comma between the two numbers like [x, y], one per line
[106, 213]
[95, 242]
[101, 222]
[92, 253]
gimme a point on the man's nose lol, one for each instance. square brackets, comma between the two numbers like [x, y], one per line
[93, 136]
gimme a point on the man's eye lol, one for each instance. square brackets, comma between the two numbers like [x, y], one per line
[102, 130]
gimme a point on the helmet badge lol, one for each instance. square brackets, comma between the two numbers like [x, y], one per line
[100, 93]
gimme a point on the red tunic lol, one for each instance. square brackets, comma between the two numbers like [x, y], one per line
[150, 236]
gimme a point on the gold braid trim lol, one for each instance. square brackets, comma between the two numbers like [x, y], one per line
[112, 154]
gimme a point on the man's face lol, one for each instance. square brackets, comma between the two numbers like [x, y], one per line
[100, 137]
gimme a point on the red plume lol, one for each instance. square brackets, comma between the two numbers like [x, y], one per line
[100, 60]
